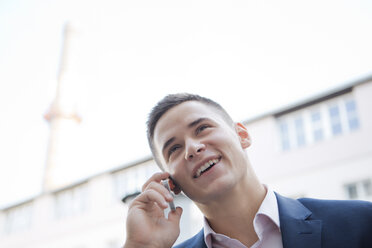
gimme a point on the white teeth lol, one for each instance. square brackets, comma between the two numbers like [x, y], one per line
[206, 166]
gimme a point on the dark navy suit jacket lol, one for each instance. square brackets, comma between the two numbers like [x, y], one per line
[313, 223]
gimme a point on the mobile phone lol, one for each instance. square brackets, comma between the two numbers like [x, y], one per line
[166, 185]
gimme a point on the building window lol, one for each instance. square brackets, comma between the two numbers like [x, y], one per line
[71, 202]
[300, 132]
[334, 115]
[351, 190]
[359, 190]
[284, 135]
[316, 121]
[18, 218]
[321, 121]
[352, 115]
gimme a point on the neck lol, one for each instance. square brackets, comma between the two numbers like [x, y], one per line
[233, 214]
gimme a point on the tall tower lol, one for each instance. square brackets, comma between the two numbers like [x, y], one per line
[63, 118]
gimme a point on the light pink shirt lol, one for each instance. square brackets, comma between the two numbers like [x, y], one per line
[265, 223]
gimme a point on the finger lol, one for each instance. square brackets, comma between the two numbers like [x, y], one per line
[175, 216]
[161, 189]
[157, 177]
[151, 196]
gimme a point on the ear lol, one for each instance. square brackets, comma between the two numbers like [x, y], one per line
[245, 139]
[174, 186]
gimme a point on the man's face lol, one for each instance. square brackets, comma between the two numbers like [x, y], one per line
[202, 152]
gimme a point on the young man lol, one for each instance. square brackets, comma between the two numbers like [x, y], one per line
[198, 146]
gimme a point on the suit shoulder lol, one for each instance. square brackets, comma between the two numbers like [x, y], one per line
[343, 221]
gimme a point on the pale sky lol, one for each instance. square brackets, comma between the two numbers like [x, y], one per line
[250, 56]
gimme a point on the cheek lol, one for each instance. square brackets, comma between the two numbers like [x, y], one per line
[176, 169]
[179, 174]
[227, 139]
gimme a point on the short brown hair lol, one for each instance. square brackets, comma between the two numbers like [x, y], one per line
[169, 102]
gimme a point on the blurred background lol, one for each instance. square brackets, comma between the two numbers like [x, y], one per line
[78, 79]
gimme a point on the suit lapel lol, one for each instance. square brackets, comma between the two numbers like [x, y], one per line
[298, 229]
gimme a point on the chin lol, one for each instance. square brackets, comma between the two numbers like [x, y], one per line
[215, 191]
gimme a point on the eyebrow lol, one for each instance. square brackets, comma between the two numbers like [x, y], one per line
[196, 122]
[192, 124]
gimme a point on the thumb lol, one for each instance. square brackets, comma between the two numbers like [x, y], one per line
[175, 216]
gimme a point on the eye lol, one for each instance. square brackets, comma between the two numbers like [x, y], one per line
[173, 149]
[201, 128]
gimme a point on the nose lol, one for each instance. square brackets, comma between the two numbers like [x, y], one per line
[193, 149]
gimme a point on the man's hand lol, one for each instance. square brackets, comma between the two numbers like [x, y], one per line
[146, 224]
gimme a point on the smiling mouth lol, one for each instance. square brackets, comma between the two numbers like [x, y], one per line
[208, 165]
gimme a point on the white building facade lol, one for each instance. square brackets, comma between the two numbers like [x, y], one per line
[320, 148]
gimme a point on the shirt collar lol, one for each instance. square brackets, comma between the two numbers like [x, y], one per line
[268, 208]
